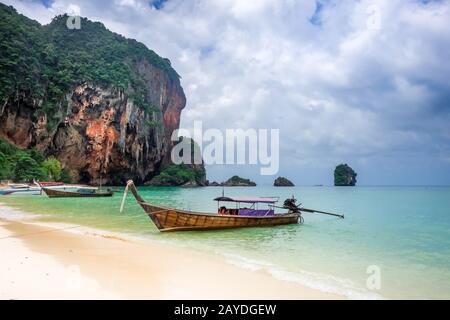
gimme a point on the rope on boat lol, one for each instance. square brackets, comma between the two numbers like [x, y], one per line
[301, 219]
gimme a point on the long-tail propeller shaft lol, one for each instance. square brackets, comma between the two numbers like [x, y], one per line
[290, 204]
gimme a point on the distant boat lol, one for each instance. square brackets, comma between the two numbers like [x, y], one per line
[51, 183]
[20, 190]
[79, 193]
[35, 188]
[18, 185]
[170, 219]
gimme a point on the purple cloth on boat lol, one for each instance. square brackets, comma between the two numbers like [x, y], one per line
[250, 212]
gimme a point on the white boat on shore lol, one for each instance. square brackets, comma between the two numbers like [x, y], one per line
[35, 189]
[20, 189]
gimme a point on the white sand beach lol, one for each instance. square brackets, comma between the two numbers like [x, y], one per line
[45, 262]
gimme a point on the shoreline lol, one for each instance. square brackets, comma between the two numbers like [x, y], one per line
[45, 262]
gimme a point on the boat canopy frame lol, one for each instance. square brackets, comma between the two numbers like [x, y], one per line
[253, 201]
[247, 200]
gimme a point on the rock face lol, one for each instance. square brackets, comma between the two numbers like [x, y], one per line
[282, 182]
[344, 175]
[104, 136]
[236, 181]
[108, 122]
[101, 136]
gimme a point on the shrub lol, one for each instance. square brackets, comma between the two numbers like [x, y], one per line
[26, 169]
[53, 169]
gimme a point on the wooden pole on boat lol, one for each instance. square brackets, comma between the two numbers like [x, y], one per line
[39, 185]
[124, 197]
[137, 196]
[322, 212]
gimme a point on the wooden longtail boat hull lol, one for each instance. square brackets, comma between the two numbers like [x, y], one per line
[53, 193]
[169, 219]
[174, 220]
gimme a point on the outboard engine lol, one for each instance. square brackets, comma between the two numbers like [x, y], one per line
[290, 204]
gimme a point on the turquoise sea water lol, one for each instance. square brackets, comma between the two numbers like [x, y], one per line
[403, 231]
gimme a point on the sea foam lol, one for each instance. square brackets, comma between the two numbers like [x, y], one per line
[321, 282]
[8, 213]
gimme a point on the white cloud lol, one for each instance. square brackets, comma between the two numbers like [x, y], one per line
[338, 89]
[73, 9]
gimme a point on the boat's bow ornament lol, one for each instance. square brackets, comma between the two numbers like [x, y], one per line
[130, 184]
[125, 195]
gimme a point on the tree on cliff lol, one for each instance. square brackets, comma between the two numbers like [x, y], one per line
[344, 175]
[5, 170]
[26, 169]
[53, 168]
[26, 165]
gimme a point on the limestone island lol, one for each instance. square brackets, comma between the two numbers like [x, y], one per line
[236, 181]
[186, 175]
[283, 182]
[180, 175]
[344, 175]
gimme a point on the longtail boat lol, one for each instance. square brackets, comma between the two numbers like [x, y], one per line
[170, 219]
[79, 193]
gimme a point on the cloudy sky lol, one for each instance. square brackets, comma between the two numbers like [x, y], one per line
[361, 82]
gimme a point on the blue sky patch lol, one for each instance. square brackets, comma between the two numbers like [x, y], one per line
[158, 4]
[46, 3]
[315, 18]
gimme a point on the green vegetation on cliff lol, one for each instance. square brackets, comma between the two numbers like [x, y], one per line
[344, 175]
[178, 175]
[26, 165]
[187, 173]
[43, 62]
[52, 168]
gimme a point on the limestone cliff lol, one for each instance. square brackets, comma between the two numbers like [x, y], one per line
[105, 106]
[101, 134]
[344, 175]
